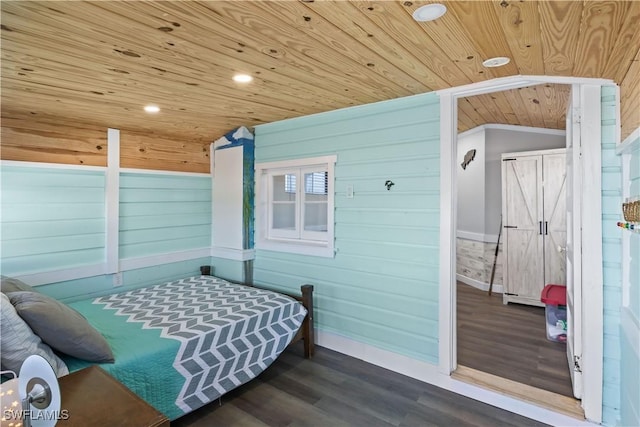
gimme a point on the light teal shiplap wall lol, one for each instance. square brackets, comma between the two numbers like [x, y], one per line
[382, 286]
[74, 290]
[163, 213]
[611, 257]
[630, 357]
[51, 219]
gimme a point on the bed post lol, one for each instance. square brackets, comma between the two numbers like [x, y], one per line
[307, 324]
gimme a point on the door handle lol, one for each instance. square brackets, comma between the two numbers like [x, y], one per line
[546, 228]
[540, 227]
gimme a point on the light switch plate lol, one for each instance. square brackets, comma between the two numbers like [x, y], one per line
[349, 191]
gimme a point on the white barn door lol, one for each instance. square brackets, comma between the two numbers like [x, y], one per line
[573, 245]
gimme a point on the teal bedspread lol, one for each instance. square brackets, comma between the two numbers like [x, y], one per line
[182, 344]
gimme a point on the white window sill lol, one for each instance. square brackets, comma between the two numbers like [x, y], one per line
[298, 248]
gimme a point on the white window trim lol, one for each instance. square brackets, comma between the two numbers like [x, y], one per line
[296, 246]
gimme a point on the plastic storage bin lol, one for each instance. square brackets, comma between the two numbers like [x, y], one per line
[555, 299]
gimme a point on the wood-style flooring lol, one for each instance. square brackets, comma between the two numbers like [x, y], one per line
[337, 390]
[509, 341]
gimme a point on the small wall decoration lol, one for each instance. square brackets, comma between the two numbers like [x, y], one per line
[471, 154]
[388, 183]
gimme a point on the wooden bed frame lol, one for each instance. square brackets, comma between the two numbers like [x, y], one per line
[305, 332]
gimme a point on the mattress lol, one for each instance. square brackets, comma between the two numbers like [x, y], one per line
[185, 343]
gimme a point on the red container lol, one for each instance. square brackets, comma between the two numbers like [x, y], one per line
[555, 313]
[554, 295]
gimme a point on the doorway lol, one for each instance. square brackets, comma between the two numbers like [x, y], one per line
[589, 160]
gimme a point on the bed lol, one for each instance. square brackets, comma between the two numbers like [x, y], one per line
[183, 344]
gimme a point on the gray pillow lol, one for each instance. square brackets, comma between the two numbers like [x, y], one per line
[60, 326]
[19, 342]
[8, 284]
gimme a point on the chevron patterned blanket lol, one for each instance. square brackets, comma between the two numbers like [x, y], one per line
[227, 335]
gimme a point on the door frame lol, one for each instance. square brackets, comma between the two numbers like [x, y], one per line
[591, 192]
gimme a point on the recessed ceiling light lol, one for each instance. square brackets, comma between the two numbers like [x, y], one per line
[496, 62]
[429, 12]
[242, 78]
[151, 109]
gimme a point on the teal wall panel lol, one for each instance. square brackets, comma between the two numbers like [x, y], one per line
[51, 219]
[74, 290]
[611, 254]
[163, 213]
[381, 288]
[629, 353]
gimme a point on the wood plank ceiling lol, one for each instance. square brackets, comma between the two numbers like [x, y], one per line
[101, 62]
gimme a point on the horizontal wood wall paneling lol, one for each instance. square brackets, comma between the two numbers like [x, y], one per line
[53, 228]
[30, 264]
[52, 144]
[201, 208]
[149, 152]
[168, 233]
[160, 221]
[163, 213]
[374, 247]
[163, 246]
[51, 219]
[160, 181]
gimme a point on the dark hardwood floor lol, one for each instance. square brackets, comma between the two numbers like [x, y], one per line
[337, 390]
[509, 341]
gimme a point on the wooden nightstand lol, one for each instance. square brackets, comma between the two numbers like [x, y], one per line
[94, 398]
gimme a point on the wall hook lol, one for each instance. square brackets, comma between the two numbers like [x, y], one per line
[388, 183]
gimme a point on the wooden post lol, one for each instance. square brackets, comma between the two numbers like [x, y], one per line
[307, 324]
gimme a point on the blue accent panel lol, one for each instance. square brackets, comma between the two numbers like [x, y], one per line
[381, 288]
[611, 254]
[51, 219]
[248, 192]
[163, 213]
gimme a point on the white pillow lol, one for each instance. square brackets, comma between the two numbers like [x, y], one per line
[18, 342]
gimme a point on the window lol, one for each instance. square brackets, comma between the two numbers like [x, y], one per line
[295, 206]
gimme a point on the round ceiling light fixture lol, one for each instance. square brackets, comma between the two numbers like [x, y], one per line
[151, 109]
[429, 12]
[498, 61]
[242, 78]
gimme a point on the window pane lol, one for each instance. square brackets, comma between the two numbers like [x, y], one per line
[284, 188]
[284, 216]
[315, 183]
[315, 216]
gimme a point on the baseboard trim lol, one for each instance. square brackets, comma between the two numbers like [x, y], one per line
[430, 374]
[478, 284]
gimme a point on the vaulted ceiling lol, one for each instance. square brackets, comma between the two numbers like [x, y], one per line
[101, 62]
